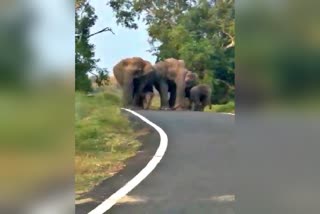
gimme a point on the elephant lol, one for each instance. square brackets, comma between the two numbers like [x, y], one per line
[200, 97]
[144, 99]
[191, 80]
[170, 77]
[128, 70]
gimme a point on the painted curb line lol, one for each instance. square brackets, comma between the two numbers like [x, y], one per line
[123, 191]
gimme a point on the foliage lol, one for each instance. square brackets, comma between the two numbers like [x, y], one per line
[102, 77]
[85, 61]
[199, 32]
[226, 108]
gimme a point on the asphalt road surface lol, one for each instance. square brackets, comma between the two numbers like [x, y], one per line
[273, 167]
[195, 175]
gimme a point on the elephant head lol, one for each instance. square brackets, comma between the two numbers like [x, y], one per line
[129, 69]
[191, 79]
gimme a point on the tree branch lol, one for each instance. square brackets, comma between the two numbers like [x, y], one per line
[154, 5]
[101, 31]
[93, 74]
[150, 11]
[232, 43]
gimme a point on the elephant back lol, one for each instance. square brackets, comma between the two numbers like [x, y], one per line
[171, 68]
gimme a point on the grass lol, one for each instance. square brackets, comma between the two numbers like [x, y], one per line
[155, 105]
[228, 108]
[103, 139]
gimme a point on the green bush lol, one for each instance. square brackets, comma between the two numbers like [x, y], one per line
[82, 83]
[221, 92]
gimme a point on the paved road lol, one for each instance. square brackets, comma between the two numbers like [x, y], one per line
[195, 175]
[272, 168]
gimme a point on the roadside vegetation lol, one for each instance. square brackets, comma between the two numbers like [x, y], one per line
[103, 139]
[227, 108]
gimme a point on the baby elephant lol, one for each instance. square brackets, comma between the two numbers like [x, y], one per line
[144, 99]
[147, 96]
[200, 97]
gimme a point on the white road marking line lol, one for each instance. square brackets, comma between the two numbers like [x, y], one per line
[228, 113]
[223, 198]
[123, 191]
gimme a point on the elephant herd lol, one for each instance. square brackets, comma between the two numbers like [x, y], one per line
[177, 86]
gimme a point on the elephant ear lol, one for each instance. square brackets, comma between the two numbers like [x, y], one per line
[147, 67]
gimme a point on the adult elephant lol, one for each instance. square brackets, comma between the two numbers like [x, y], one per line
[128, 70]
[170, 77]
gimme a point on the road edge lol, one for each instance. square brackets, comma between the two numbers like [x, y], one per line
[130, 185]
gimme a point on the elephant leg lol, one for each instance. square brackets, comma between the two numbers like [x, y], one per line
[164, 95]
[172, 98]
[172, 92]
[138, 94]
[144, 101]
[193, 106]
[180, 93]
[188, 103]
[201, 107]
[148, 100]
[157, 86]
[206, 102]
[137, 98]
[196, 104]
[128, 93]
[138, 101]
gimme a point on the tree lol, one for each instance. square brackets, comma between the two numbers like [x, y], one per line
[102, 77]
[85, 61]
[201, 32]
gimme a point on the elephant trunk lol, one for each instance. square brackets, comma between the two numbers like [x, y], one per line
[128, 90]
[180, 92]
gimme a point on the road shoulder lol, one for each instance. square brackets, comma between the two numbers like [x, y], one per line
[150, 143]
